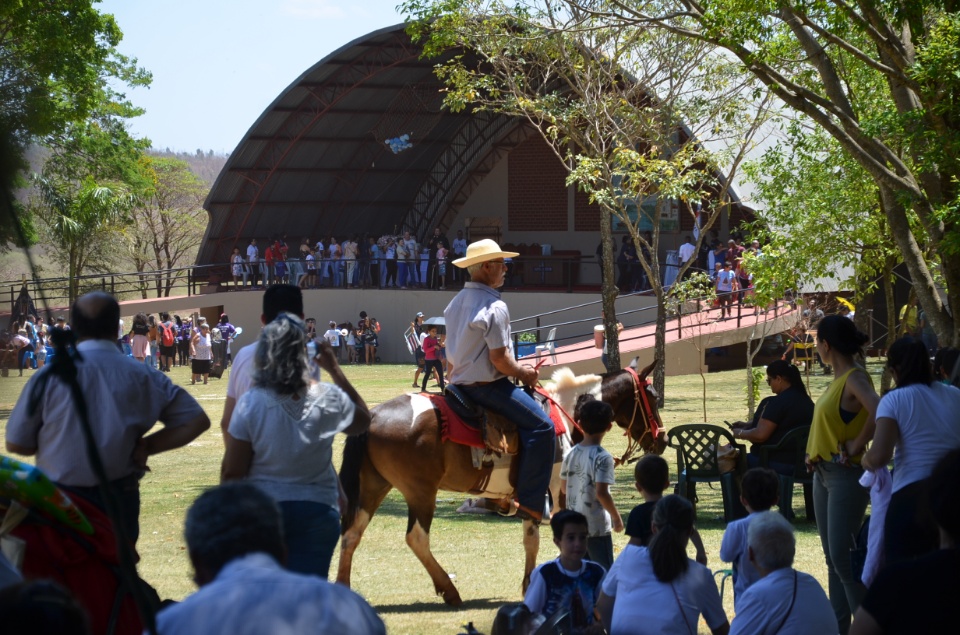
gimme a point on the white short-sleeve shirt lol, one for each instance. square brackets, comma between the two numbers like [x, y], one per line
[639, 598]
[929, 421]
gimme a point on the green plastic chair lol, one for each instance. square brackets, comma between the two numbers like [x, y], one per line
[696, 445]
[791, 450]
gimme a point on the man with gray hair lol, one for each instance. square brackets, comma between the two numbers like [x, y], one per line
[480, 353]
[784, 601]
[234, 537]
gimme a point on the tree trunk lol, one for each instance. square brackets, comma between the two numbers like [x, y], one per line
[609, 292]
[660, 345]
[920, 276]
[751, 401]
[886, 378]
[72, 283]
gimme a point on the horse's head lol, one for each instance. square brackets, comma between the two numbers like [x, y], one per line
[635, 409]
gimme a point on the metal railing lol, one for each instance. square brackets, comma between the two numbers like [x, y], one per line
[674, 322]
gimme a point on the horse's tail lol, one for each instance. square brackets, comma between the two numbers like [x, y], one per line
[353, 452]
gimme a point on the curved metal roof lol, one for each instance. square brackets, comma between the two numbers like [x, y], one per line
[319, 161]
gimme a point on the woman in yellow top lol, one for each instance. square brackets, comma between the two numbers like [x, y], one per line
[843, 424]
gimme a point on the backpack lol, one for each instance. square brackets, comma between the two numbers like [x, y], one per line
[166, 334]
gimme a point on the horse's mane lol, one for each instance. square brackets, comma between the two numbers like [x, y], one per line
[566, 387]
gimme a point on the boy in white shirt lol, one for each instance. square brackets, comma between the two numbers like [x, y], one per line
[586, 475]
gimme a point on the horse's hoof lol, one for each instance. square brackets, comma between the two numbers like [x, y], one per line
[452, 598]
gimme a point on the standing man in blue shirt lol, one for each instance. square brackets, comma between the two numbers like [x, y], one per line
[480, 351]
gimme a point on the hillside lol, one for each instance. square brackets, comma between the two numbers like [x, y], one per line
[206, 165]
[13, 263]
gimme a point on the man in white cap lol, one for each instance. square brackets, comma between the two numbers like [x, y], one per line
[480, 351]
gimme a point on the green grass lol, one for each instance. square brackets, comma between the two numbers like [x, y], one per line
[484, 554]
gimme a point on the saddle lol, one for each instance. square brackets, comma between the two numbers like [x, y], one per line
[464, 422]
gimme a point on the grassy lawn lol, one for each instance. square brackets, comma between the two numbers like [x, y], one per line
[483, 554]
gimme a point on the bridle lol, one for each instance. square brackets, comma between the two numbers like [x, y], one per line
[641, 403]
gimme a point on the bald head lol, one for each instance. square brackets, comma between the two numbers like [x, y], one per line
[95, 316]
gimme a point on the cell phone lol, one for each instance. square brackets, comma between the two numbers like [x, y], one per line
[728, 424]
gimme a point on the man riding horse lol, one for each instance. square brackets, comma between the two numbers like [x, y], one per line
[480, 350]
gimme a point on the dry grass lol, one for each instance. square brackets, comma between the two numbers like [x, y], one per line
[483, 554]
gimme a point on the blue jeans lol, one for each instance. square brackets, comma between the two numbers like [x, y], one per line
[840, 503]
[537, 436]
[311, 531]
[413, 276]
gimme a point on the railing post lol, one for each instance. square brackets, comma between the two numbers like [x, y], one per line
[679, 320]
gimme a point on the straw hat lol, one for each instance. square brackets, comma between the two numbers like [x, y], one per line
[482, 251]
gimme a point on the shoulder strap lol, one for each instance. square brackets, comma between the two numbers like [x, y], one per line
[683, 613]
[793, 601]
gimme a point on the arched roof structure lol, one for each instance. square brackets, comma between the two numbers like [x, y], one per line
[317, 161]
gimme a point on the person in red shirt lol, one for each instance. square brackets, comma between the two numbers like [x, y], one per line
[269, 257]
[431, 352]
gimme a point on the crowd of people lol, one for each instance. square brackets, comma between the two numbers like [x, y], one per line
[357, 261]
[172, 341]
[352, 344]
[261, 543]
[653, 586]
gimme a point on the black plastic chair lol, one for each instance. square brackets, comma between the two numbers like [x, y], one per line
[696, 445]
[791, 450]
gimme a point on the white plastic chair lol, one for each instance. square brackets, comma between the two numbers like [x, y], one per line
[549, 346]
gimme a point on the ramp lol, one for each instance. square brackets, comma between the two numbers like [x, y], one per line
[687, 340]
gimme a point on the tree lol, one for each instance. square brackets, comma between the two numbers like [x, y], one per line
[700, 290]
[56, 55]
[87, 187]
[78, 219]
[167, 222]
[811, 190]
[805, 52]
[774, 271]
[628, 111]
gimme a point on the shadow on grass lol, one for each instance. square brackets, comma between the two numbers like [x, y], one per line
[440, 607]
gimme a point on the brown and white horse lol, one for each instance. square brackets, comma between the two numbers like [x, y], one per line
[403, 449]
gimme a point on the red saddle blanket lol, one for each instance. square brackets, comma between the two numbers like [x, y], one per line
[452, 427]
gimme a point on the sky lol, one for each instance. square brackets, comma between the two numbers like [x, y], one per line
[218, 64]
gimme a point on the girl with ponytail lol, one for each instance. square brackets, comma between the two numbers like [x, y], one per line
[658, 589]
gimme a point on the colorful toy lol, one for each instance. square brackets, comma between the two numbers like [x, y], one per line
[26, 484]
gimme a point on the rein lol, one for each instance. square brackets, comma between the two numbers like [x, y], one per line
[556, 403]
[640, 398]
[563, 412]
